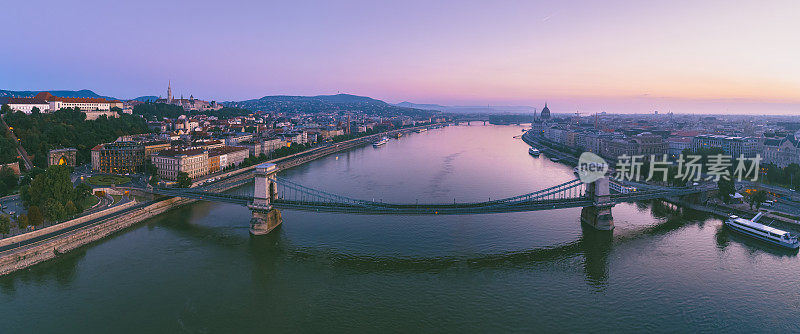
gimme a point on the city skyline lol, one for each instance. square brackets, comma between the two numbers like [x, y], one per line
[615, 57]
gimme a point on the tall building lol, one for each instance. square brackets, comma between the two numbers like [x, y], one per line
[733, 146]
[118, 157]
[172, 162]
[782, 151]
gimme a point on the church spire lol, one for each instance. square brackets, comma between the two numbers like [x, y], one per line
[169, 92]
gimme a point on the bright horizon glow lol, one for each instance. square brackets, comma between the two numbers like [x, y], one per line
[614, 56]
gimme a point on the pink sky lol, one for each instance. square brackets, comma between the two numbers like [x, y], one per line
[616, 56]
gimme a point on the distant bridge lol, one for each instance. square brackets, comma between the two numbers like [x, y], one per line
[270, 193]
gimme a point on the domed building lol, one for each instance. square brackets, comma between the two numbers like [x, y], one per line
[545, 112]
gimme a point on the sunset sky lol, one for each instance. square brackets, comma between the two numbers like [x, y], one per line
[614, 56]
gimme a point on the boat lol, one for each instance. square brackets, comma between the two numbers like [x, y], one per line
[533, 151]
[751, 227]
[421, 130]
[383, 141]
[554, 159]
[398, 134]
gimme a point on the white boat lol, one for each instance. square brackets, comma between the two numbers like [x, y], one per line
[534, 152]
[751, 228]
[383, 140]
[421, 130]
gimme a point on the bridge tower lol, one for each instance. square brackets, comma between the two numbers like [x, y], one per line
[599, 215]
[265, 217]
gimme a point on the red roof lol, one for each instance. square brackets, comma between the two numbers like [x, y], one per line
[25, 100]
[50, 97]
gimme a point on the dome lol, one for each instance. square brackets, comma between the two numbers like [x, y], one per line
[545, 112]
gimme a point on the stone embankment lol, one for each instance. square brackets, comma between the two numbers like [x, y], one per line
[26, 256]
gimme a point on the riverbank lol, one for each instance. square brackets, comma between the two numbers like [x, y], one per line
[28, 249]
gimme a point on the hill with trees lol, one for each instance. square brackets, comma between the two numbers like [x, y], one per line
[61, 93]
[327, 103]
[41, 132]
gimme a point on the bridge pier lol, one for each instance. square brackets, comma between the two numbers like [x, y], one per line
[265, 218]
[598, 216]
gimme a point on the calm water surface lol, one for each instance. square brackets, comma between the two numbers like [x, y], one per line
[196, 269]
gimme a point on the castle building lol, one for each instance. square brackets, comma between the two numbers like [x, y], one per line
[25, 104]
[190, 104]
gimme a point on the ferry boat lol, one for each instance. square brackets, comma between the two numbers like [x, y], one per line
[421, 130]
[383, 141]
[554, 159]
[534, 152]
[751, 228]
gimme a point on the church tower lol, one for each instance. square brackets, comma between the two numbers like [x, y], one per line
[169, 92]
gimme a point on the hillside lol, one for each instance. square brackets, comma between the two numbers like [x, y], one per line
[146, 98]
[326, 103]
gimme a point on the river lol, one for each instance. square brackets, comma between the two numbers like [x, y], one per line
[197, 270]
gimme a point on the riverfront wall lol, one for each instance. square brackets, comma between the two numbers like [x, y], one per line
[27, 256]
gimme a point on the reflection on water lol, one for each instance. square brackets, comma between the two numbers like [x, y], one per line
[196, 269]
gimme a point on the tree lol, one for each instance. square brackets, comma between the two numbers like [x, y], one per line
[184, 181]
[82, 192]
[5, 109]
[8, 180]
[55, 184]
[756, 198]
[70, 209]
[35, 217]
[5, 224]
[155, 179]
[54, 210]
[21, 221]
[725, 188]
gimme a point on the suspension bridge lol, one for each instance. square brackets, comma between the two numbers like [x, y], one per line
[271, 193]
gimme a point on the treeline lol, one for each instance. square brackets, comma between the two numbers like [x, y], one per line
[161, 110]
[788, 176]
[41, 132]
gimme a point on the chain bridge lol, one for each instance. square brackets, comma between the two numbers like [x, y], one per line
[271, 193]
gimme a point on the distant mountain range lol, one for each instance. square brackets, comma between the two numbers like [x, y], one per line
[326, 103]
[314, 104]
[62, 93]
[470, 109]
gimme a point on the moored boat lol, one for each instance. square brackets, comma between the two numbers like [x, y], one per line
[534, 152]
[751, 227]
[383, 141]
